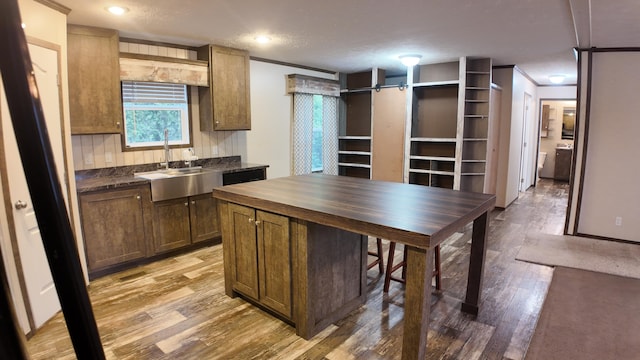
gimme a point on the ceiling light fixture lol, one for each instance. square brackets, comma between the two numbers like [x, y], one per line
[117, 10]
[263, 39]
[556, 79]
[410, 60]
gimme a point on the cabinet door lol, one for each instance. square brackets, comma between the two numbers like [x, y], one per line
[225, 104]
[274, 262]
[171, 225]
[562, 168]
[244, 257]
[95, 105]
[114, 226]
[204, 218]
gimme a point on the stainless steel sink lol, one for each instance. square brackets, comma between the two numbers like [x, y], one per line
[180, 182]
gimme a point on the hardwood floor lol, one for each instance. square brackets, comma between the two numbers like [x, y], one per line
[176, 308]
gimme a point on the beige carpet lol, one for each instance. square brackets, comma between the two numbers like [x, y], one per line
[582, 253]
[588, 315]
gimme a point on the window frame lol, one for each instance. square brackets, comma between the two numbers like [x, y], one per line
[188, 122]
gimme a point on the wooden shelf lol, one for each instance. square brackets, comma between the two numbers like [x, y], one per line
[442, 140]
[366, 166]
[433, 172]
[474, 139]
[354, 137]
[436, 83]
[471, 72]
[431, 158]
[346, 152]
[476, 116]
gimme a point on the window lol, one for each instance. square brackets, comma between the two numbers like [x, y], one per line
[316, 142]
[149, 108]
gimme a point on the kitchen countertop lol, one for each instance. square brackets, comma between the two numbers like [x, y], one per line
[104, 179]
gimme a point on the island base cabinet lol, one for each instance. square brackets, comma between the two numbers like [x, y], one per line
[330, 278]
[261, 253]
[310, 274]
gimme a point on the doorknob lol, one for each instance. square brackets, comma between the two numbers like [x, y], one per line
[20, 205]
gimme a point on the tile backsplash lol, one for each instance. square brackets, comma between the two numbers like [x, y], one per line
[105, 150]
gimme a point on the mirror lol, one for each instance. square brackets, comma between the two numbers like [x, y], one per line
[568, 123]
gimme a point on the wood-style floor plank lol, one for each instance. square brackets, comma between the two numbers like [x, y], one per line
[176, 308]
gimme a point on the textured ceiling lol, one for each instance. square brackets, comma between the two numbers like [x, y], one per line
[353, 35]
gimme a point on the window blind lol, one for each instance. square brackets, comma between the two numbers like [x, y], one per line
[151, 92]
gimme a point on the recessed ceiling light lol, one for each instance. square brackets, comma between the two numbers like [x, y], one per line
[556, 79]
[410, 60]
[117, 10]
[23, 25]
[263, 39]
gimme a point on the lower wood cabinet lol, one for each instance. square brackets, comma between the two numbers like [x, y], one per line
[180, 222]
[203, 215]
[260, 249]
[562, 167]
[171, 225]
[116, 225]
[124, 226]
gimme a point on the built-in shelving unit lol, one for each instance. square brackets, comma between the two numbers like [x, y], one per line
[476, 124]
[372, 126]
[446, 132]
[354, 140]
[434, 118]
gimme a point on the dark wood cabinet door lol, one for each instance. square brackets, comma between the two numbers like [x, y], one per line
[204, 218]
[243, 250]
[274, 262]
[114, 226]
[95, 104]
[225, 104]
[171, 225]
[562, 167]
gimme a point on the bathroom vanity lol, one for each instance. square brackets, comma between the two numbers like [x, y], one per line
[562, 168]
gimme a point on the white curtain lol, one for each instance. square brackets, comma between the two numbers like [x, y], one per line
[330, 135]
[302, 134]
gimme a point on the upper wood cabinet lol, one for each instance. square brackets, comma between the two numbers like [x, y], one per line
[225, 104]
[95, 103]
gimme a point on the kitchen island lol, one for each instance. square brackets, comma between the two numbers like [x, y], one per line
[293, 244]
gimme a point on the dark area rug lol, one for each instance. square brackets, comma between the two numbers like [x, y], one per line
[588, 315]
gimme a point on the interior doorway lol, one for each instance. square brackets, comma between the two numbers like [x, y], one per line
[555, 149]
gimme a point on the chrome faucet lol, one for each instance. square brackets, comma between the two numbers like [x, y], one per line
[167, 153]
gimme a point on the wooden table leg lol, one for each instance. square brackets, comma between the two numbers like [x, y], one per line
[417, 303]
[476, 264]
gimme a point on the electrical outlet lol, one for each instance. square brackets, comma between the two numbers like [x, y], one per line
[618, 220]
[88, 159]
[108, 157]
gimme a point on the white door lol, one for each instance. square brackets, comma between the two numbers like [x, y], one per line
[525, 160]
[43, 300]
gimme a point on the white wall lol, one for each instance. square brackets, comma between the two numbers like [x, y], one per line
[514, 85]
[610, 187]
[269, 141]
